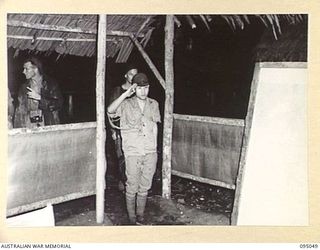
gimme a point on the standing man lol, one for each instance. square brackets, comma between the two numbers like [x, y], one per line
[115, 133]
[39, 98]
[139, 116]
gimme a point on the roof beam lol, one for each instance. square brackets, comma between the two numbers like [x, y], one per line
[149, 62]
[52, 38]
[39, 26]
[41, 38]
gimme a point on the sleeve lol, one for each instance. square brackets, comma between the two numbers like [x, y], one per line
[118, 112]
[156, 113]
[114, 94]
[120, 108]
[51, 98]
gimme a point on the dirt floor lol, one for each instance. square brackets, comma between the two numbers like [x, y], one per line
[192, 203]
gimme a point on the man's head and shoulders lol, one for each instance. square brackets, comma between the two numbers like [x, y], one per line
[33, 70]
[131, 71]
[116, 91]
[141, 91]
[39, 99]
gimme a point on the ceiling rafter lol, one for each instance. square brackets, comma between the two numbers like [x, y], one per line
[38, 26]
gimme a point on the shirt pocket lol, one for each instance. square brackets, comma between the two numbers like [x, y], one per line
[132, 119]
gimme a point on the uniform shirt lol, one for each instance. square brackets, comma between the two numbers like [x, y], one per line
[139, 128]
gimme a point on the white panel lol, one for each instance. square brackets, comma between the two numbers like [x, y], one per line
[40, 218]
[274, 186]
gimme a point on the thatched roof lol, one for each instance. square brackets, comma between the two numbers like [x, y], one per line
[71, 34]
[290, 46]
[76, 34]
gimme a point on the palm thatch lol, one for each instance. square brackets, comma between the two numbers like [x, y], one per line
[76, 34]
[291, 46]
[272, 21]
[284, 39]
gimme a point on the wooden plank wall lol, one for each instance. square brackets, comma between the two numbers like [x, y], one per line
[208, 148]
[50, 165]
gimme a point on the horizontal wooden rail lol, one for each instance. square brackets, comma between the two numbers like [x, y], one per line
[208, 119]
[61, 127]
[203, 180]
[40, 204]
[302, 65]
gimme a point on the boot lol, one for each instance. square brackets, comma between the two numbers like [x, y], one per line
[141, 204]
[131, 208]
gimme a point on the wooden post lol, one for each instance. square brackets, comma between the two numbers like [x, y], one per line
[100, 109]
[168, 109]
[244, 147]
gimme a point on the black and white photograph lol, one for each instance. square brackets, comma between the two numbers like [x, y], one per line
[145, 122]
[117, 120]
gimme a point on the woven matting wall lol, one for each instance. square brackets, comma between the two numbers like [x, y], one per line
[50, 165]
[207, 150]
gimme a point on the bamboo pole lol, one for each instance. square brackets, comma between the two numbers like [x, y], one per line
[143, 25]
[100, 109]
[41, 38]
[39, 26]
[149, 62]
[168, 110]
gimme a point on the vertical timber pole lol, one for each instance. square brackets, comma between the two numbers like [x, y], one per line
[101, 128]
[168, 108]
